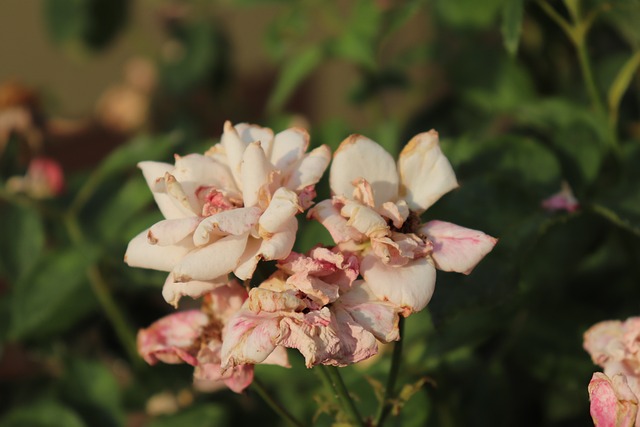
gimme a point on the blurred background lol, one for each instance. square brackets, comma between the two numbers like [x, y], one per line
[537, 103]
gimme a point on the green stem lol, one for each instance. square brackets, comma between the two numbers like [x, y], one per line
[273, 404]
[587, 74]
[334, 379]
[103, 293]
[389, 392]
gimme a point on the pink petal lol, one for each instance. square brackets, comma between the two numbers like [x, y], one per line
[255, 171]
[225, 301]
[235, 221]
[355, 343]
[457, 248]
[631, 338]
[249, 338]
[360, 157]
[409, 287]
[310, 169]
[283, 206]
[329, 216]
[425, 173]
[211, 261]
[613, 404]
[140, 253]
[172, 339]
[376, 316]
[397, 212]
[278, 357]
[172, 231]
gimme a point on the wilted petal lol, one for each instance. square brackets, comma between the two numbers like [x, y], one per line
[356, 343]
[255, 173]
[249, 338]
[613, 404]
[249, 260]
[237, 378]
[604, 342]
[235, 221]
[212, 261]
[360, 157]
[364, 219]
[288, 148]
[278, 357]
[173, 338]
[172, 231]
[631, 337]
[376, 316]
[310, 169]
[425, 172]
[457, 248]
[409, 287]
[327, 214]
[140, 253]
[153, 173]
[397, 212]
[312, 335]
[172, 291]
[225, 301]
[283, 207]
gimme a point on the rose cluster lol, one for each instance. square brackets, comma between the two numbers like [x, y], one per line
[236, 205]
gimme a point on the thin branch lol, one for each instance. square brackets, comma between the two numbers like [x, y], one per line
[273, 404]
[389, 392]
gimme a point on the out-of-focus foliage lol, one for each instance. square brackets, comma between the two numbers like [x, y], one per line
[526, 96]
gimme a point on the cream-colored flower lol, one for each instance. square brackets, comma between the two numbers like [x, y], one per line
[227, 209]
[376, 208]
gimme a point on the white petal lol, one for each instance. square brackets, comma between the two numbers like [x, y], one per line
[310, 169]
[235, 221]
[234, 148]
[171, 231]
[212, 261]
[409, 287]
[279, 246]
[364, 219]
[255, 173]
[288, 147]
[425, 172]
[140, 253]
[360, 157]
[195, 170]
[283, 207]
[249, 260]
[172, 291]
[252, 133]
[154, 175]
[457, 248]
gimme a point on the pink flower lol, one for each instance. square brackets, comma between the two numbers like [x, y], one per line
[228, 209]
[44, 179]
[195, 337]
[376, 211]
[564, 200]
[315, 305]
[613, 403]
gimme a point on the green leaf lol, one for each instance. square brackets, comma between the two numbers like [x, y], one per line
[293, 72]
[65, 19]
[469, 13]
[198, 416]
[42, 414]
[53, 296]
[124, 206]
[93, 390]
[512, 13]
[621, 83]
[22, 240]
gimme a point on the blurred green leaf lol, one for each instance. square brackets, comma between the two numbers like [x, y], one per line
[22, 240]
[469, 13]
[197, 416]
[512, 13]
[624, 15]
[124, 206]
[292, 73]
[621, 83]
[54, 295]
[42, 414]
[94, 392]
[85, 23]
